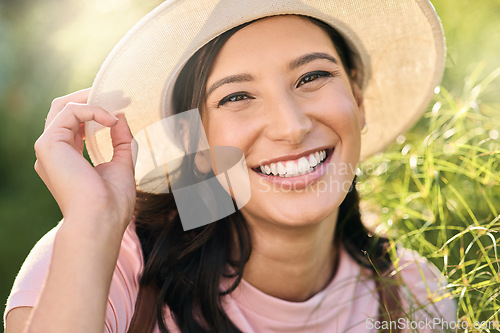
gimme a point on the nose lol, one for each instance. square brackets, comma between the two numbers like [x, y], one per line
[288, 120]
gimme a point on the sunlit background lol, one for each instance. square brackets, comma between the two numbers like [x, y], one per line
[50, 48]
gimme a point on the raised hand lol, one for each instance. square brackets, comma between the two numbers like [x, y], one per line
[106, 191]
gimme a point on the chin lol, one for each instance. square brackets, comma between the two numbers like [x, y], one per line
[294, 209]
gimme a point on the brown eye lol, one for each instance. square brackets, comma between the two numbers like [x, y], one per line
[312, 76]
[236, 97]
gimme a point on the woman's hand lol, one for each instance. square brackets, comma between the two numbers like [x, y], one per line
[97, 204]
[105, 192]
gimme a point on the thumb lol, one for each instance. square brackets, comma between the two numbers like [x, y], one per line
[121, 138]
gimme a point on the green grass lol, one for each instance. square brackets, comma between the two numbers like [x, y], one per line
[437, 191]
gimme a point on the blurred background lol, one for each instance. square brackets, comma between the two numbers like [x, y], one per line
[51, 48]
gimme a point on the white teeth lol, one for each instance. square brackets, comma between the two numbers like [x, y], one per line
[267, 169]
[312, 161]
[274, 169]
[291, 168]
[296, 167]
[317, 157]
[281, 169]
[303, 165]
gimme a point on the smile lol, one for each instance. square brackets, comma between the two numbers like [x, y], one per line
[294, 168]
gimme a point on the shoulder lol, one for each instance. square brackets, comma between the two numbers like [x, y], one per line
[32, 274]
[423, 287]
[123, 289]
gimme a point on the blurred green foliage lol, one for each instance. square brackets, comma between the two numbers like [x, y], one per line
[47, 49]
[437, 191]
[448, 171]
[437, 188]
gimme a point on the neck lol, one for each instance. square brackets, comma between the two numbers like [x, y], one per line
[292, 263]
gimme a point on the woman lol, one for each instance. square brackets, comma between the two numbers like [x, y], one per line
[291, 85]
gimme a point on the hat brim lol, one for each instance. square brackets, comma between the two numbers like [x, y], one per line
[400, 45]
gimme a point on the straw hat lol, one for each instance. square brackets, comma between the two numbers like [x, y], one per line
[400, 45]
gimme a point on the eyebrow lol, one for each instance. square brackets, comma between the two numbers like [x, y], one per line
[294, 64]
[301, 61]
[229, 79]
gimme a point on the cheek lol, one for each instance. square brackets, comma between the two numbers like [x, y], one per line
[227, 130]
[338, 110]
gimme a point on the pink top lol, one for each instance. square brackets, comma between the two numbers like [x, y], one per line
[348, 304]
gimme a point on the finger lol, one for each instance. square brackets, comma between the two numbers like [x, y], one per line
[66, 127]
[121, 138]
[82, 131]
[74, 114]
[79, 138]
[59, 103]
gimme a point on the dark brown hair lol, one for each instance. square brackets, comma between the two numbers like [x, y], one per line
[186, 268]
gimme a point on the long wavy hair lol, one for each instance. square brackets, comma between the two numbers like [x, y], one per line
[186, 267]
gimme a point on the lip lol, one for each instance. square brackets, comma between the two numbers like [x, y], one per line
[301, 181]
[293, 156]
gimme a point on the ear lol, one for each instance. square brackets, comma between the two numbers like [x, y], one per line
[358, 97]
[203, 161]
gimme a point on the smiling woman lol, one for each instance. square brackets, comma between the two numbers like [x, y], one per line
[296, 100]
[290, 84]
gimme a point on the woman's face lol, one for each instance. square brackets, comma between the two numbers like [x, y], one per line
[279, 92]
